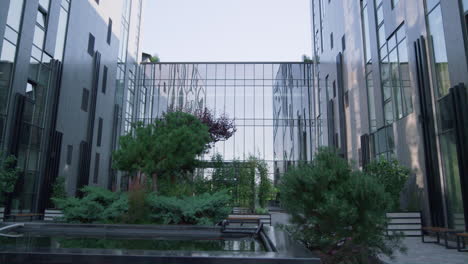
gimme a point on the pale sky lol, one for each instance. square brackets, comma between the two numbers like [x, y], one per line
[227, 30]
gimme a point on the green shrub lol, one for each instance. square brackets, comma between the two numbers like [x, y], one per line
[58, 190]
[337, 211]
[98, 205]
[261, 211]
[265, 186]
[9, 174]
[204, 209]
[392, 176]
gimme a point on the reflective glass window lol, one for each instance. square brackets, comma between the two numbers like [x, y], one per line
[439, 51]
[8, 51]
[39, 37]
[41, 19]
[61, 34]
[11, 35]
[430, 4]
[44, 4]
[14, 14]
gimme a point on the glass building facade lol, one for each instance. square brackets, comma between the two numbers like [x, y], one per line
[269, 103]
[64, 85]
[403, 71]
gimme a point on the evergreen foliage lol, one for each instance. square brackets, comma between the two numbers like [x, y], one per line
[204, 209]
[338, 211]
[98, 205]
[58, 189]
[166, 147]
[9, 174]
[392, 176]
[265, 186]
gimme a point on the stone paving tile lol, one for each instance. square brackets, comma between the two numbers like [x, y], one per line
[421, 253]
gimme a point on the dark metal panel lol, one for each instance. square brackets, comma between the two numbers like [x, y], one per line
[365, 153]
[86, 146]
[331, 123]
[94, 93]
[429, 135]
[83, 167]
[460, 98]
[17, 120]
[341, 106]
[50, 166]
[115, 134]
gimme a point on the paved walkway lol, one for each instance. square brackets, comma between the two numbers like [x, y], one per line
[422, 253]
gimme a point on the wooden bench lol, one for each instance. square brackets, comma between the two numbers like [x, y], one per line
[438, 231]
[461, 245]
[30, 217]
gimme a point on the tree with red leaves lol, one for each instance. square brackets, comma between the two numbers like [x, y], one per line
[221, 128]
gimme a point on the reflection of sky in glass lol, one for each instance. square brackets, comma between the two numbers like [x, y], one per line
[243, 92]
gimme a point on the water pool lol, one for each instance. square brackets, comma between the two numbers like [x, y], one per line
[31, 242]
[119, 244]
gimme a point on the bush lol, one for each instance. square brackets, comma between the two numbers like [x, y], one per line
[205, 209]
[9, 174]
[98, 205]
[392, 176]
[265, 187]
[261, 211]
[58, 190]
[337, 211]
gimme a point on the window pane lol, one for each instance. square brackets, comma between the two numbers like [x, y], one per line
[451, 170]
[405, 78]
[44, 4]
[365, 18]
[439, 51]
[61, 33]
[14, 14]
[395, 82]
[11, 35]
[431, 3]
[388, 109]
[41, 19]
[380, 16]
[386, 80]
[8, 52]
[381, 36]
[39, 37]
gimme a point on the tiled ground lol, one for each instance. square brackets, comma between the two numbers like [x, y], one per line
[422, 253]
